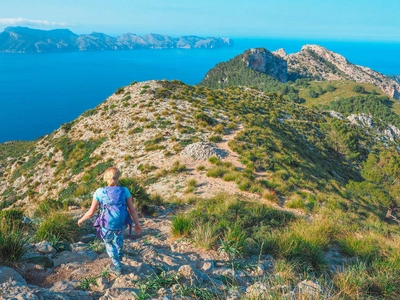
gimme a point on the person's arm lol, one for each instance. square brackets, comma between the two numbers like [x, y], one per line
[134, 215]
[89, 213]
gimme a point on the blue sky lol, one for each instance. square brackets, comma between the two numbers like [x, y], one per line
[324, 19]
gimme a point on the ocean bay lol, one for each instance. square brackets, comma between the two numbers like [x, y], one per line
[39, 92]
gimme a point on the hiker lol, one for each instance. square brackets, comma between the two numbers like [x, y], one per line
[116, 210]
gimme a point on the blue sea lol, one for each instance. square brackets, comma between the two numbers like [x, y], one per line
[41, 91]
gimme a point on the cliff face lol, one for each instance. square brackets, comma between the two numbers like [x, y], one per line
[318, 63]
[22, 39]
[263, 61]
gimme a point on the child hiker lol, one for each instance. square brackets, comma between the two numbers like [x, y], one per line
[116, 210]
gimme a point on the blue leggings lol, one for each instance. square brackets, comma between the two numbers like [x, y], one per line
[114, 241]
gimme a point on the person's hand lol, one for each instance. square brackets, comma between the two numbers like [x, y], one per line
[138, 228]
[80, 222]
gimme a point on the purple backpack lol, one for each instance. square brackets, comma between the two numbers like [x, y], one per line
[113, 214]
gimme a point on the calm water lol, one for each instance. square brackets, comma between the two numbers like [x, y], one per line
[39, 92]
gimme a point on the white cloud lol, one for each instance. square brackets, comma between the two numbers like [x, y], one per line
[23, 21]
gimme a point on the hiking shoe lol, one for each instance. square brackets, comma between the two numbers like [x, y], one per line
[115, 270]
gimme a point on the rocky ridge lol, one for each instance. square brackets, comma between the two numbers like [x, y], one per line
[23, 39]
[313, 61]
[318, 63]
[149, 139]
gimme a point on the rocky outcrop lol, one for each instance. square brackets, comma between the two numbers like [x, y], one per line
[202, 151]
[23, 39]
[263, 61]
[318, 63]
[382, 131]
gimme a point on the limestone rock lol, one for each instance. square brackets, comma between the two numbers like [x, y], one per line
[102, 283]
[385, 131]
[257, 291]
[74, 257]
[78, 247]
[335, 114]
[64, 285]
[308, 288]
[88, 238]
[186, 271]
[263, 61]
[45, 247]
[9, 274]
[207, 266]
[280, 52]
[120, 294]
[41, 260]
[203, 151]
[16, 290]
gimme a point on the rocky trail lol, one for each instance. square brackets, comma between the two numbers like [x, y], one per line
[155, 266]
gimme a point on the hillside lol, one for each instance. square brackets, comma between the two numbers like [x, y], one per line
[313, 62]
[23, 39]
[241, 193]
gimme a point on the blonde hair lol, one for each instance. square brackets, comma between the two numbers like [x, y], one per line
[111, 176]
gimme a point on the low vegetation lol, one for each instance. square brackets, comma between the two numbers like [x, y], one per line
[336, 184]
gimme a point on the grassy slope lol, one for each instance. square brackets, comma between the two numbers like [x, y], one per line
[15, 149]
[344, 89]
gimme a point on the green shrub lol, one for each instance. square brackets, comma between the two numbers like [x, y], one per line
[359, 89]
[366, 248]
[330, 88]
[233, 241]
[13, 242]
[181, 226]
[295, 247]
[232, 126]
[296, 201]
[219, 129]
[89, 112]
[60, 226]
[217, 172]
[205, 235]
[215, 138]
[177, 167]
[120, 90]
[312, 93]
[204, 117]
[141, 199]
[214, 160]
[270, 195]
[48, 206]
[230, 176]
[245, 184]
[11, 216]
[200, 168]
[191, 186]
[146, 168]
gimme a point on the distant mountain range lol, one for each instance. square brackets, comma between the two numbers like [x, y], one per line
[24, 39]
